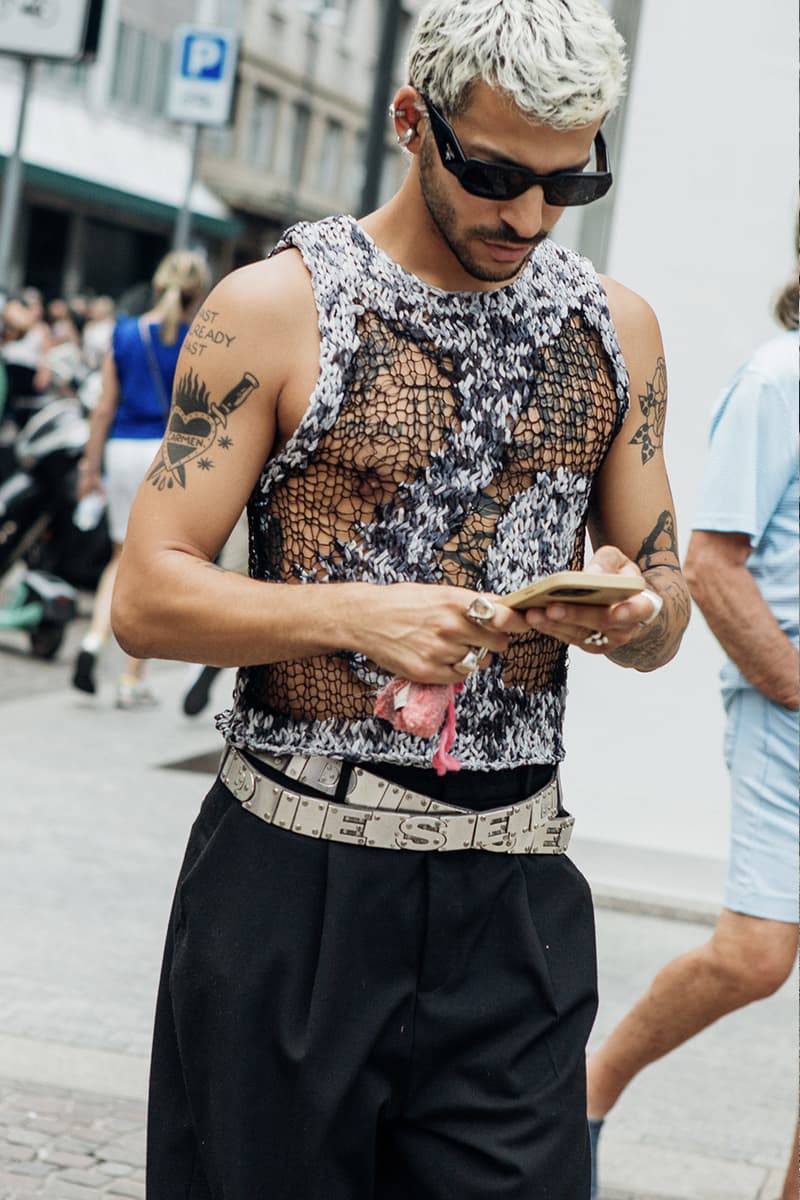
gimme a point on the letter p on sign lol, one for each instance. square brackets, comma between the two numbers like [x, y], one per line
[203, 57]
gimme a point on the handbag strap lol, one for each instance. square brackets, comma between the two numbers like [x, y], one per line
[152, 362]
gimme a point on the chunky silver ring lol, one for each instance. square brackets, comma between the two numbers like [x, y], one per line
[481, 610]
[596, 639]
[657, 602]
[469, 663]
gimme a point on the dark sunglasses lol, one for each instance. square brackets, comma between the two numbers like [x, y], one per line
[500, 181]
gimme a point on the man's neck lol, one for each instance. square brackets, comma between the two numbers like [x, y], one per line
[404, 230]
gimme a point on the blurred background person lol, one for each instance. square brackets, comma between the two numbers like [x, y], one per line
[98, 330]
[742, 569]
[24, 348]
[62, 322]
[126, 427]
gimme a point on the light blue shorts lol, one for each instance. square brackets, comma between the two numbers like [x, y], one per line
[761, 750]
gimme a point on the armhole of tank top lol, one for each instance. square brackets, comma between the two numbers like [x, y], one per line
[309, 243]
[608, 336]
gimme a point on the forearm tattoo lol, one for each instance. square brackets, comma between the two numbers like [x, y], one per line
[650, 434]
[659, 642]
[660, 547]
[195, 428]
[658, 561]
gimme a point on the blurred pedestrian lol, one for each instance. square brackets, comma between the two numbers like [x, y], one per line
[742, 568]
[62, 323]
[24, 347]
[97, 332]
[126, 427]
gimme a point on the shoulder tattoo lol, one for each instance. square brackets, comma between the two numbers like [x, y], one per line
[196, 426]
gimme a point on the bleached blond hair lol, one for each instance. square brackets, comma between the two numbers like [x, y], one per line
[562, 62]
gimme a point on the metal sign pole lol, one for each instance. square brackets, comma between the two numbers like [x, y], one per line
[12, 187]
[183, 224]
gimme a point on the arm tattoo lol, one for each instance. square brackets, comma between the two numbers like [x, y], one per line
[650, 434]
[659, 642]
[195, 426]
[658, 561]
[660, 547]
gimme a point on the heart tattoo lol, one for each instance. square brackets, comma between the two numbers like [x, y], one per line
[193, 428]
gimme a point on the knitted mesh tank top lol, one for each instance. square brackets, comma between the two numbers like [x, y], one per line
[451, 438]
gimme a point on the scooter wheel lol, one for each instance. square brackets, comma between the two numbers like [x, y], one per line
[46, 639]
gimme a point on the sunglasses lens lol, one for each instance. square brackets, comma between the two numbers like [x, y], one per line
[575, 190]
[492, 182]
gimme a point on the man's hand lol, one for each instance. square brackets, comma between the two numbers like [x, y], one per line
[619, 623]
[421, 631]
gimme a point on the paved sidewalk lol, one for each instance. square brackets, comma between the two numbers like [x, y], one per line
[95, 806]
[69, 1145]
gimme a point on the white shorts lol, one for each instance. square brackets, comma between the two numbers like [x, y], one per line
[761, 750]
[127, 461]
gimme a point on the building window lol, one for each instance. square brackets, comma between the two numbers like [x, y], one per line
[301, 119]
[141, 70]
[126, 84]
[259, 145]
[330, 158]
[69, 75]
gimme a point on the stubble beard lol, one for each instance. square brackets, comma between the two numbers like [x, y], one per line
[445, 220]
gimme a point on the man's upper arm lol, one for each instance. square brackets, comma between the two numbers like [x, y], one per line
[222, 424]
[632, 504]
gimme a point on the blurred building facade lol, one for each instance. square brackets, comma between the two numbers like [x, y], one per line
[106, 172]
[297, 144]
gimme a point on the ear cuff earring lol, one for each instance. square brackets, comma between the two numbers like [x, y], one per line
[404, 138]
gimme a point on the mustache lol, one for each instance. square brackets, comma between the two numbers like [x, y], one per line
[509, 236]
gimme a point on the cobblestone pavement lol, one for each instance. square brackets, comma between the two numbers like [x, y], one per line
[69, 1145]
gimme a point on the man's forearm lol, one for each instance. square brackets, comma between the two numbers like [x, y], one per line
[660, 640]
[743, 624]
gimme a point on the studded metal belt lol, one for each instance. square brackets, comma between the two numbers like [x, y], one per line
[379, 813]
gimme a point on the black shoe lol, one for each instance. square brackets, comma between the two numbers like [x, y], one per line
[197, 696]
[83, 675]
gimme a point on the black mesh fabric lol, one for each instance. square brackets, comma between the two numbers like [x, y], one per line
[464, 458]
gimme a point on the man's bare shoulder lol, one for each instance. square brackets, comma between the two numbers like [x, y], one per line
[276, 287]
[630, 312]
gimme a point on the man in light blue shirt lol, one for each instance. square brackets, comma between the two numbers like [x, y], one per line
[742, 568]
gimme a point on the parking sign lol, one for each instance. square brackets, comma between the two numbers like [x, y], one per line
[49, 28]
[202, 76]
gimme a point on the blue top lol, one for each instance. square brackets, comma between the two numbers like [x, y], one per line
[143, 405]
[751, 483]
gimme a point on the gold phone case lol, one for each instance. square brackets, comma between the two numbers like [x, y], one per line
[575, 587]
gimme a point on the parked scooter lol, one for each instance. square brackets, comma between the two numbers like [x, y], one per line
[38, 529]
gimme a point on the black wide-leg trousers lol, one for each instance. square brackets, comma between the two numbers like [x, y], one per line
[339, 1022]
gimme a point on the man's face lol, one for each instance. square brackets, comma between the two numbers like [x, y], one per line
[493, 239]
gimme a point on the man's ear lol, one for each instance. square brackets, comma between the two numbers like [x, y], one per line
[407, 112]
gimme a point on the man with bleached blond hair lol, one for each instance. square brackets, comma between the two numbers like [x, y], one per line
[380, 971]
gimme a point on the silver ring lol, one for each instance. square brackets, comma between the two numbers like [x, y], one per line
[597, 638]
[481, 610]
[657, 602]
[469, 663]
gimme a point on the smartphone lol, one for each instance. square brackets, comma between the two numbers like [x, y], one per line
[575, 587]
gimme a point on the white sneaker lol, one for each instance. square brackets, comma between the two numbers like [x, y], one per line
[131, 693]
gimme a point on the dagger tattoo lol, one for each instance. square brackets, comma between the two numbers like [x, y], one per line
[194, 425]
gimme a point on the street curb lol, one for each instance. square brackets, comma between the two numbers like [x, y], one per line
[52, 1064]
[694, 912]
